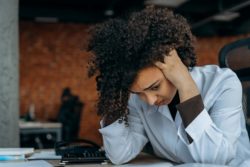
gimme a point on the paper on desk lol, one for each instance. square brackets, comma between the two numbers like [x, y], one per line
[26, 164]
[44, 155]
[16, 151]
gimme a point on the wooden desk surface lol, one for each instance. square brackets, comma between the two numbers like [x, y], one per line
[141, 161]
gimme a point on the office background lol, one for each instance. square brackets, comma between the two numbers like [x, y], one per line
[52, 56]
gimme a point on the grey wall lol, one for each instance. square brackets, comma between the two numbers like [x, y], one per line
[9, 74]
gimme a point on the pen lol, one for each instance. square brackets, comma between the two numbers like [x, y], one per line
[11, 157]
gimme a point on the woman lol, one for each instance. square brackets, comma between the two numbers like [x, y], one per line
[151, 91]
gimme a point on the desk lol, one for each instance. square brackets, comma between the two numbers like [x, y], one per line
[40, 135]
[41, 127]
[141, 160]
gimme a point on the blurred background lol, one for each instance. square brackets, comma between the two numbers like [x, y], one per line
[52, 39]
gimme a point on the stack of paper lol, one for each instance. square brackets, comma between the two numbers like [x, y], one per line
[45, 155]
[26, 164]
[9, 154]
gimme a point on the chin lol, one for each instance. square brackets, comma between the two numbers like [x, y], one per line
[165, 102]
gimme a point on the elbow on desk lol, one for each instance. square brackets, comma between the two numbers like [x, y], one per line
[121, 156]
[119, 159]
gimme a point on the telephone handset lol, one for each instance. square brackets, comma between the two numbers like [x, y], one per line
[80, 151]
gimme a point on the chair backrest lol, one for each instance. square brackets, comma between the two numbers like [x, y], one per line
[236, 56]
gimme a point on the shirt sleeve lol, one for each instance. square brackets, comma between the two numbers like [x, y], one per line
[216, 132]
[190, 109]
[123, 143]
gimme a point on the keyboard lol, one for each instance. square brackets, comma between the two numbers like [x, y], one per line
[85, 157]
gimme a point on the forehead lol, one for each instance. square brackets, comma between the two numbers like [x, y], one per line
[146, 77]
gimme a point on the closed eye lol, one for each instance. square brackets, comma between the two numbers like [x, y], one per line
[155, 87]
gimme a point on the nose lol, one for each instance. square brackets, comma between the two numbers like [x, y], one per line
[151, 99]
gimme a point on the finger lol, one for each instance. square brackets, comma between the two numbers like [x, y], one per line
[167, 58]
[172, 56]
[172, 52]
[159, 64]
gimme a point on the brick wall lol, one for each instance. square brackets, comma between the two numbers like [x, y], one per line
[207, 49]
[53, 56]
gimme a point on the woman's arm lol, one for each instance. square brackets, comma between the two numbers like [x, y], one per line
[177, 73]
[209, 138]
[123, 143]
[215, 134]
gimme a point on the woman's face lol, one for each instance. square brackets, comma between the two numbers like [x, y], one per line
[152, 87]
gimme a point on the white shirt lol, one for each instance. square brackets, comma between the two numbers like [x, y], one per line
[218, 132]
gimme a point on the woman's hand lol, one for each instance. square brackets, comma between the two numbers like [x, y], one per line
[177, 73]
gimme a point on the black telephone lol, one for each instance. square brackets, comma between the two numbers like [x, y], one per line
[80, 151]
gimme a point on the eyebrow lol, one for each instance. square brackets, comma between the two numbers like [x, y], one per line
[149, 87]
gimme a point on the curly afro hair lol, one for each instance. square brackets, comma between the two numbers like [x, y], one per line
[123, 47]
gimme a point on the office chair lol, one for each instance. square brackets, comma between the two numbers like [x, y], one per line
[236, 56]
